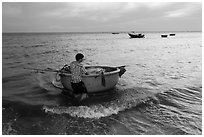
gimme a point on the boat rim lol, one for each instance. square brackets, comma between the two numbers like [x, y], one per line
[95, 75]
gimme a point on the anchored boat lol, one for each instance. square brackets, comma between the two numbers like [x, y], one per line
[164, 35]
[172, 34]
[134, 35]
[115, 33]
[100, 78]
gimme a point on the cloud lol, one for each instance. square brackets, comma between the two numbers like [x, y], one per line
[175, 14]
[91, 11]
[156, 5]
[98, 11]
[78, 15]
[11, 10]
[186, 9]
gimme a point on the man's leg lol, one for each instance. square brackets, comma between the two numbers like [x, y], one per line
[80, 91]
[83, 90]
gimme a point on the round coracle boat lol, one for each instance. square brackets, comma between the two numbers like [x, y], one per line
[99, 78]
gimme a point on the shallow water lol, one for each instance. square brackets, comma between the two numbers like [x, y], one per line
[160, 93]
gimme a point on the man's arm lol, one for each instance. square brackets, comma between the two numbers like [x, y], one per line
[84, 71]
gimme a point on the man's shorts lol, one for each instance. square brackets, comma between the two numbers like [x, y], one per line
[79, 88]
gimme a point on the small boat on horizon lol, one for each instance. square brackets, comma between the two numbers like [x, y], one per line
[172, 34]
[164, 35]
[136, 35]
[115, 33]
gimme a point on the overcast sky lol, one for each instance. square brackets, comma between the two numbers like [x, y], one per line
[101, 17]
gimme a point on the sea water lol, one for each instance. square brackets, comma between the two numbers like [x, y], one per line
[160, 93]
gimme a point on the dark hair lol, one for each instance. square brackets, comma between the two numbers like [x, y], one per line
[79, 56]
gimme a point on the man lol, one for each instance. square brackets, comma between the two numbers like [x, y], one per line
[77, 70]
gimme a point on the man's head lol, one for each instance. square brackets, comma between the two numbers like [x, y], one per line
[79, 56]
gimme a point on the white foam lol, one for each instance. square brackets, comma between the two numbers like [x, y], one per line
[127, 101]
[8, 130]
[95, 111]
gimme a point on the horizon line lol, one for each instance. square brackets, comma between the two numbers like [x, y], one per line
[104, 31]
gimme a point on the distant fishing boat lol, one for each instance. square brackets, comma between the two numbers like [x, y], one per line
[96, 81]
[164, 35]
[115, 33]
[172, 34]
[136, 35]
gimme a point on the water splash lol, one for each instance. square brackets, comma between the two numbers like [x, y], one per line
[7, 129]
[96, 111]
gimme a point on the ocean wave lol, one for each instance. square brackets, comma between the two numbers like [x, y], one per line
[8, 120]
[181, 97]
[47, 52]
[100, 110]
[38, 45]
[95, 111]
[7, 129]
[16, 77]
